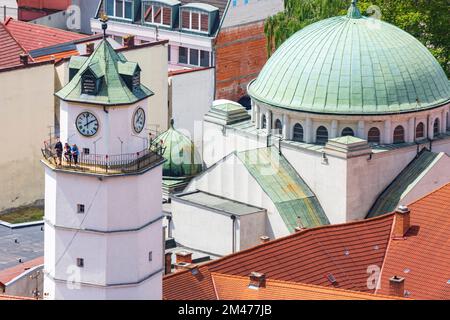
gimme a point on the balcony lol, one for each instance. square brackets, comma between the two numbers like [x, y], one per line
[100, 164]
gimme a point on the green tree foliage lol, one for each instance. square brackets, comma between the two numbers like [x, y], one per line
[426, 20]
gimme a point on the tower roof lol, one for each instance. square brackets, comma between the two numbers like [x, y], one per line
[180, 153]
[111, 69]
[352, 65]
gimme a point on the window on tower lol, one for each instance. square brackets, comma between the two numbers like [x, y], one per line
[80, 208]
[80, 262]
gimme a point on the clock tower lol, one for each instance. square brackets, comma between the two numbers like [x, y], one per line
[103, 211]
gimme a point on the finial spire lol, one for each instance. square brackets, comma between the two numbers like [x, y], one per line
[353, 12]
[104, 20]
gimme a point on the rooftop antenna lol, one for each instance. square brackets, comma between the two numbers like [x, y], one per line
[104, 21]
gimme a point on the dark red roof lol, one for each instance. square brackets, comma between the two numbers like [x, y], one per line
[10, 49]
[33, 36]
[423, 256]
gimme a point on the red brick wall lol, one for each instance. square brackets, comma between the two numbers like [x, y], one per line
[240, 55]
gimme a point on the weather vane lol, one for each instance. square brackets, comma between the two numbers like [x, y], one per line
[104, 20]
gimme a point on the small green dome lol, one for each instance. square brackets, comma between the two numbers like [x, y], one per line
[182, 158]
[352, 65]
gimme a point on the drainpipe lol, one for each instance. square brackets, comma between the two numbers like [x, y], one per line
[233, 234]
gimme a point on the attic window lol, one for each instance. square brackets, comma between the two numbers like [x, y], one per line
[88, 84]
[158, 14]
[194, 20]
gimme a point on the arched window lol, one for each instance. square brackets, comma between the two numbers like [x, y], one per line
[298, 133]
[420, 131]
[263, 122]
[278, 126]
[436, 128]
[399, 134]
[373, 135]
[321, 135]
[348, 132]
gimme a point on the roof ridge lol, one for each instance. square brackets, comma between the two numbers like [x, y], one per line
[293, 283]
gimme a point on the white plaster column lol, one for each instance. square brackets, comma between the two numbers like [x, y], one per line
[361, 132]
[269, 120]
[430, 127]
[411, 130]
[388, 138]
[334, 129]
[257, 116]
[308, 131]
[286, 127]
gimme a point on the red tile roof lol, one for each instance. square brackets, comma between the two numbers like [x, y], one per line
[343, 252]
[423, 257]
[10, 49]
[33, 36]
[11, 273]
[236, 288]
[5, 297]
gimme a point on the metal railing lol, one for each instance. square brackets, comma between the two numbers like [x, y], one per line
[6, 11]
[101, 163]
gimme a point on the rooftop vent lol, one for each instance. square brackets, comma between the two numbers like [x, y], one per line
[128, 41]
[264, 239]
[401, 221]
[90, 47]
[24, 58]
[257, 280]
[331, 278]
[168, 263]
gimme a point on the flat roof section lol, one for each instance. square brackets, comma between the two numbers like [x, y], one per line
[218, 203]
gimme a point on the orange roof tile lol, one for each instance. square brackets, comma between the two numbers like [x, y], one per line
[33, 36]
[236, 288]
[183, 285]
[423, 257]
[10, 49]
[344, 251]
[9, 274]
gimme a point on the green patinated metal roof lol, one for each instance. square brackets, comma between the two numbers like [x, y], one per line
[108, 66]
[352, 65]
[182, 158]
[290, 194]
[227, 112]
[403, 183]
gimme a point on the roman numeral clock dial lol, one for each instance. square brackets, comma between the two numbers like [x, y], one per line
[87, 124]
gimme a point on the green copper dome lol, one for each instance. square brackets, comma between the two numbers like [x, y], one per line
[180, 153]
[352, 65]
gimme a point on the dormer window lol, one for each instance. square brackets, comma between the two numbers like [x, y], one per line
[88, 85]
[194, 20]
[120, 9]
[91, 80]
[157, 13]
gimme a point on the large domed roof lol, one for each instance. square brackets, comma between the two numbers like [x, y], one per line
[352, 65]
[182, 159]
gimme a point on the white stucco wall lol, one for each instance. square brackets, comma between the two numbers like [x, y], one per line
[230, 179]
[193, 224]
[191, 96]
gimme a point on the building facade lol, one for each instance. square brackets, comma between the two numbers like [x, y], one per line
[103, 211]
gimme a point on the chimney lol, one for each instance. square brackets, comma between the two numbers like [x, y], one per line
[24, 58]
[184, 256]
[168, 263]
[264, 239]
[90, 47]
[397, 286]
[257, 280]
[401, 221]
[128, 41]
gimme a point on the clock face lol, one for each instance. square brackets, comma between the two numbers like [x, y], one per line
[87, 124]
[139, 120]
